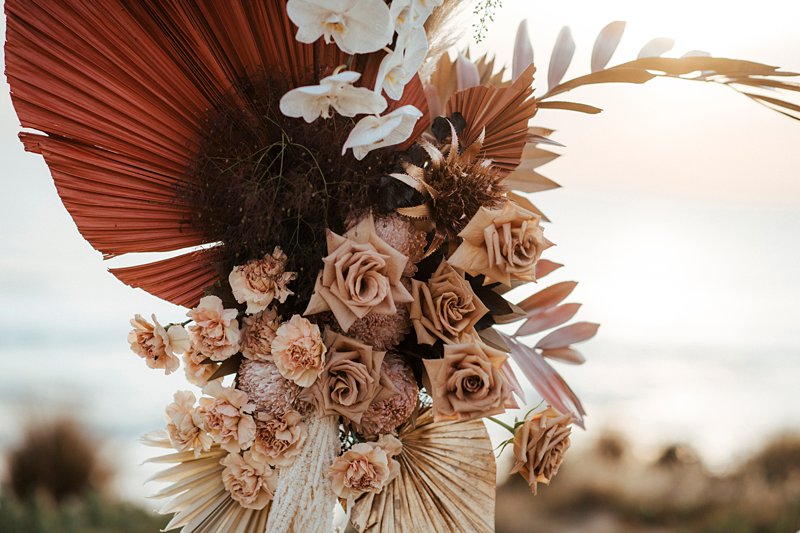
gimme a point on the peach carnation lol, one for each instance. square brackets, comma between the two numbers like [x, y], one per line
[157, 345]
[298, 351]
[257, 334]
[279, 438]
[215, 332]
[249, 481]
[260, 281]
[366, 467]
[197, 368]
[185, 425]
[227, 418]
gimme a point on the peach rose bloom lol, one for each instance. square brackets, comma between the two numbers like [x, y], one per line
[215, 332]
[468, 382]
[279, 438]
[502, 244]
[444, 307]
[257, 334]
[366, 467]
[185, 425]
[227, 418]
[156, 345]
[539, 446]
[198, 372]
[361, 275]
[353, 378]
[298, 351]
[249, 481]
[260, 281]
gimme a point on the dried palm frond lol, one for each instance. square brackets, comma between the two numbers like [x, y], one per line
[446, 482]
[197, 495]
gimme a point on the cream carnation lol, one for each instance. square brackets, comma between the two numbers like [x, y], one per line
[215, 332]
[249, 481]
[279, 438]
[185, 425]
[258, 331]
[260, 281]
[227, 418]
[298, 351]
[156, 345]
[366, 467]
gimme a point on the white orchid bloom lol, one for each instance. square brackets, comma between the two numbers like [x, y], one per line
[398, 67]
[335, 91]
[371, 133]
[357, 26]
[411, 14]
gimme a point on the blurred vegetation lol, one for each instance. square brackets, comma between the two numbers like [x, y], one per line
[56, 481]
[606, 490]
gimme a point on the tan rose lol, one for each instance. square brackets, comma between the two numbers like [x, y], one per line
[198, 372]
[468, 382]
[444, 307]
[539, 446]
[361, 275]
[257, 334]
[260, 281]
[298, 351]
[215, 332]
[279, 438]
[185, 425]
[366, 467]
[249, 481]
[502, 244]
[227, 418]
[156, 345]
[352, 379]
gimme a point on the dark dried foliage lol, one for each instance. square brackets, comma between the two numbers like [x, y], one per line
[262, 179]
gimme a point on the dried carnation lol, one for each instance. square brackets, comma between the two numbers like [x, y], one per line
[198, 372]
[384, 416]
[260, 281]
[366, 467]
[267, 388]
[352, 379]
[215, 332]
[468, 382]
[445, 307]
[502, 244]
[227, 417]
[279, 438]
[156, 345]
[249, 481]
[185, 425]
[257, 334]
[539, 446]
[298, 351]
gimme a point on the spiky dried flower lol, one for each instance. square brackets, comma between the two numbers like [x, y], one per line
[456, 182]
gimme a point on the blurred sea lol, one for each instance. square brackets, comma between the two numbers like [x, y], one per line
[699, 341]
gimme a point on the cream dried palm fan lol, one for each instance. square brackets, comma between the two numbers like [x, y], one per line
[446, 482]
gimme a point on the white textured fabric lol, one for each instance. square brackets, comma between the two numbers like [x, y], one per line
[304, 500]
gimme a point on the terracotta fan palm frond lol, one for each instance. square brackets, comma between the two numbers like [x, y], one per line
[119, 92]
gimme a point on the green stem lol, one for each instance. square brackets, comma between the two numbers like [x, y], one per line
[501, 423]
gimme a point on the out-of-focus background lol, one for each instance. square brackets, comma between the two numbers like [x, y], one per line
[680, 217]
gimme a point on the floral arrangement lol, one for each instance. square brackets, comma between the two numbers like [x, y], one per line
[353, 204]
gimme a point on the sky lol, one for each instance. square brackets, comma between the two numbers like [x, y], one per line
[679, 215]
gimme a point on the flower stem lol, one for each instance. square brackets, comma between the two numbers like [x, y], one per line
[501, 423]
